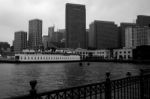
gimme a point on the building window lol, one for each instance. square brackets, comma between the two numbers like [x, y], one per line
[124, 56]
[129, 57]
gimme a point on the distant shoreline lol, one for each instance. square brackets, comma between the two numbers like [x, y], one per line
[114, 61]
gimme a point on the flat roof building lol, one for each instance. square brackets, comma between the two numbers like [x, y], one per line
[20, 41]
[122, 28]
[45, 41]
[143, 20]
[50, 33]
[35, 34]
[75, 26]
[137, 36]
[103, 35]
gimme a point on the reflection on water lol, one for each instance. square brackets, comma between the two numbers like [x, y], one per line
[14, 78]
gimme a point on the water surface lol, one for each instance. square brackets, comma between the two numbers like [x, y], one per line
[14, 78]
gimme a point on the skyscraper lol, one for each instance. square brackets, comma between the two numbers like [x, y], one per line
[143, 20]
[63, 31]
[20, 41]
[50, 33]
[75, 26]
[35, 34]
[137, 36]
[103, 35]
[45, 41]
[122, 28]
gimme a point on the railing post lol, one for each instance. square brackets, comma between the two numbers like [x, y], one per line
[33, 90]
[108, 86]
[129, 94]
[141, 85]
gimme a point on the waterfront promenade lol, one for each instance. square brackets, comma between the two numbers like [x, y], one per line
[53, 76]
[130, 87]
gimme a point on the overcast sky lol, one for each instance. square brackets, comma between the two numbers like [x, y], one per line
[15, 14]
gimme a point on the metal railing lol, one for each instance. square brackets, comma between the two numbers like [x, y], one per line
[135, 87]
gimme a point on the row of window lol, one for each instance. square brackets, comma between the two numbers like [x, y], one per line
[81, 52]
[101, 52]
[124, 57]
[89, 52]
[50, 58]
[123, 52]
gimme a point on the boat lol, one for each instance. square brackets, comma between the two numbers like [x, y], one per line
[41, 58]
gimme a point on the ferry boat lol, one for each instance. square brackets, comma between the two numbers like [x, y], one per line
[39, 57]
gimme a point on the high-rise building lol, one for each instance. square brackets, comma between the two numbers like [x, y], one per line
[143, 20]
[122, 28]
[45, 41]
[58, 36]
[4, 47]
[87, 38]
[103, 35]
[75, 26]
[35, 34]
[20, 41]
[50, 33]
[137, 36]
[63, 31]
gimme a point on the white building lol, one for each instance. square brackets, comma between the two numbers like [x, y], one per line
[103, 54]
[129, 37]
[123, 54]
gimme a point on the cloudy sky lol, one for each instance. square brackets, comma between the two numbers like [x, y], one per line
[15, 14]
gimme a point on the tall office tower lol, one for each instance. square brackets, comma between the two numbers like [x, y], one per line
[63, 31]
[45, 41]
[143, 20]
[137, 36]
[87, 38]
[122, 28]
[35, 34]
[50, 33]
[75, 26]
[57, 36]
[20, 41]
[103, 35]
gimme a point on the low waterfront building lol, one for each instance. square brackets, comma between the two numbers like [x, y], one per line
[101, 54]
[123, 54]
[39, 57]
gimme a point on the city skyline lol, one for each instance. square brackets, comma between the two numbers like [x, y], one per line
[13, 19]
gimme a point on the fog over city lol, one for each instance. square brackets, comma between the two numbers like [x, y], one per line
[15, 14]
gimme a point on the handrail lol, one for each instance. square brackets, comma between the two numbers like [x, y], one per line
[129, 86]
